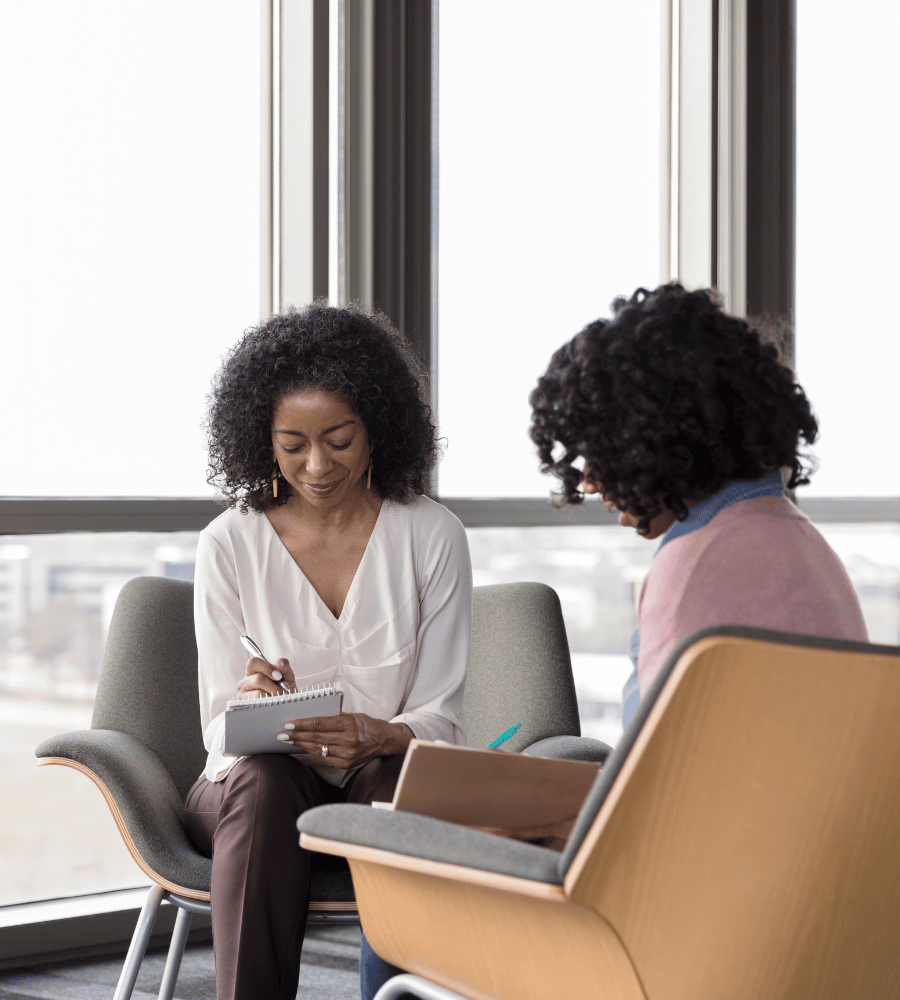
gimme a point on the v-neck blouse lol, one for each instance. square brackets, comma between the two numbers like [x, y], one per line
[400, 646]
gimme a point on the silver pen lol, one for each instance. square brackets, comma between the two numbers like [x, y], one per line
[254, 650]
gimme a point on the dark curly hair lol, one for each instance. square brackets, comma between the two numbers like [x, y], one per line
[357, 356]
[666, 402]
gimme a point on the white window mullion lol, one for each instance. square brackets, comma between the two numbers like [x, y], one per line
[705, 146]
[731, 186]
[695, 137]
[300, 48]
[267, 158]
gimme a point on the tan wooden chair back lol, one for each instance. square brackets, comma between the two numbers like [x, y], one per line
[750, 845]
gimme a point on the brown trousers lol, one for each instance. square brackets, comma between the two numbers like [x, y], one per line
[260, 875]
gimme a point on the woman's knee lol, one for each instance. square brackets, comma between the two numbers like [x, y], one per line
[270, 783]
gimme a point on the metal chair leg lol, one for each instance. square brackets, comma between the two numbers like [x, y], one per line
[176, 952]
[139, 941]
[418, 987]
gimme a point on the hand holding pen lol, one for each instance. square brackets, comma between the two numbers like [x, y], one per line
[264, 679]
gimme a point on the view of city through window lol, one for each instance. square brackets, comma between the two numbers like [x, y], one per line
[57, 593]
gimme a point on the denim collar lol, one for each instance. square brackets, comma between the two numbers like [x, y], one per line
[769, 485]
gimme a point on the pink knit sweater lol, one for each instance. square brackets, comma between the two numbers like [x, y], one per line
[759, 562]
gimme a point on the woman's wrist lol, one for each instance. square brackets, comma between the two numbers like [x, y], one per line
[399, 738]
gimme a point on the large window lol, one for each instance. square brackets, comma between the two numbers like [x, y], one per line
[130, 255]
[129, 193]
[847, 349]
[132, 259]
[549, 208]
[848, 256]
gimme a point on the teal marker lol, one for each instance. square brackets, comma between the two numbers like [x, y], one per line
[503, 737]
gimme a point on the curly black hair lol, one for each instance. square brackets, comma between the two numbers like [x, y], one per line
[667, 402]
[357, 356]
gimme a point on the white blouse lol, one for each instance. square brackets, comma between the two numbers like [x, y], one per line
[400, 646]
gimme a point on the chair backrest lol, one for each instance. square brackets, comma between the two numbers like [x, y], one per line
[148, 679]
[745, 835]
[519, 667]
[519, 671]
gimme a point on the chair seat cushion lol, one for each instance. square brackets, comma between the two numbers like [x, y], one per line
[570, 748]
[432, 839]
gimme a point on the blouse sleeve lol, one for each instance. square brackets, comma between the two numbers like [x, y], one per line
[218, 621]
[433, 707]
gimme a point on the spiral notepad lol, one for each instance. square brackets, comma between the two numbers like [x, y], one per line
[253, 724]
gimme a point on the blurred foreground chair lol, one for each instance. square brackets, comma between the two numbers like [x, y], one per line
[741, 843]
[145, 748]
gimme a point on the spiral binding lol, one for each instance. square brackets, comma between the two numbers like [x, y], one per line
[304, 694]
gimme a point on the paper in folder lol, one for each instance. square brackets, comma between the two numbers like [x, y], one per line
[252, 725]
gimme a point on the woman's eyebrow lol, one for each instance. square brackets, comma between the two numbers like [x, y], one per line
[328, 430]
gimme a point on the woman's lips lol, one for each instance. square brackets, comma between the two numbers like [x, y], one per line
[323, 489]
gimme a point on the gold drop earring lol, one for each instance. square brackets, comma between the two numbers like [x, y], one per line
[275, 480]
[369, 478]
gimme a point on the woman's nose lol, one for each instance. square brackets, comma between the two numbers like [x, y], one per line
[319, 461]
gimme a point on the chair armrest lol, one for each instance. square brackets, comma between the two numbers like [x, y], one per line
[143, 798]
[570, 748]
[430, 839]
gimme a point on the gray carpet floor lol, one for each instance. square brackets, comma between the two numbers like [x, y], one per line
[329, 971]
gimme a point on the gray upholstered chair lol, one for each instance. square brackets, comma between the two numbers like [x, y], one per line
[740, 842]
[144, 749]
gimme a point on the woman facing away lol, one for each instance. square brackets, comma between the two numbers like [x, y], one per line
[685, 421]
[334, 562]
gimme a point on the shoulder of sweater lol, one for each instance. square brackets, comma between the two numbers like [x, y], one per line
[748, 525]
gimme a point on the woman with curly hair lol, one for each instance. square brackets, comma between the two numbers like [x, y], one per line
[339, 567]
[684, 419]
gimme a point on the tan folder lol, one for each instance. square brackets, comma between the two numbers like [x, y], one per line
[507, 793]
